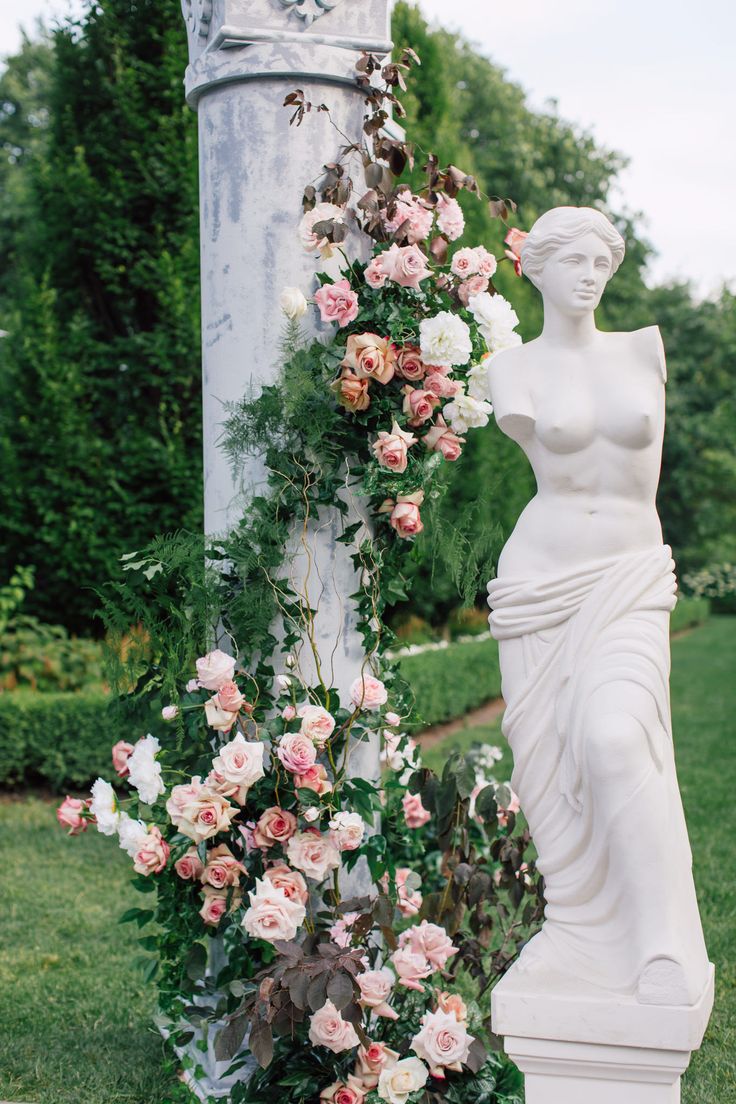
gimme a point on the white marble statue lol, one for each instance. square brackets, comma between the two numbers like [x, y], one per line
[581, 611]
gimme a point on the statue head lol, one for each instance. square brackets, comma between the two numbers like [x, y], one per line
[570, 254]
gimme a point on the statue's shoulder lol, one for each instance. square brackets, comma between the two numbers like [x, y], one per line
[649, 341]
[509, 384]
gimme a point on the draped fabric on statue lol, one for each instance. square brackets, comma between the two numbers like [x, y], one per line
[563, 639]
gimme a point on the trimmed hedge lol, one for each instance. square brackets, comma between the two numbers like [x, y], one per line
[451, 681]
[688, 613]
[61, 741]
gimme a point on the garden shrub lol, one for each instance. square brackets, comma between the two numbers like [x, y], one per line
[448, 682]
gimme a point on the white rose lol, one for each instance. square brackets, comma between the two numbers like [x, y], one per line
[104, 807]
[283, 682]
[240, 761]
[496, 320]
[445, 340]
[465, 412]
[131, 833]
[398, 1082]
[292, 302]
[443, 1042]
[322, 212]
[327, 1028]
[478, 382]
[214, 669]
[144, 773]
[222, 720]
[272, 915]
[348, 830]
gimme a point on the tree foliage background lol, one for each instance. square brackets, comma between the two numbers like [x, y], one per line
[99, 374]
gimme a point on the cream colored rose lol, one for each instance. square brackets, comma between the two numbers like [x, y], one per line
[240, 762]
[443, 1042]
[272, 915]
[293, 302]
[371, 1060]
[348, 830]
[396, 1083]
[198, 812]
[215, 669]
[327, 1028]
[222, 720]
[375, 987]
[313, 853]
[368, 692]
[291, 881]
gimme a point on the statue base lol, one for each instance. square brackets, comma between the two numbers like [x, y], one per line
[576, 1044]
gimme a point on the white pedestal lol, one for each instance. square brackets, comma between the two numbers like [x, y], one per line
[576, 1044]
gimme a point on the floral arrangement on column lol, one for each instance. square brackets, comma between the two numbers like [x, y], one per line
[242, 814]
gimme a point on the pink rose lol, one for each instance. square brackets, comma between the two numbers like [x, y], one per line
[440, 438]
[409, 901]
[199, 812]
[450, 219]
[215, 904]
[275, 825]
[431, 941]
[370, 357]
[327, 1028]
[441, 385]
[229, 697]
[418, 404]
[170, 712]
[512, 806]
[341, 931]
[340, 1092]
[352, 391]
[404, 514]
[443, 1043]
[347, 830]
[214, 669]
[121, 753]
[415, 814]
[474, 286]
[192, 686]
[486, 262]
[314, 778]
[290, 881]
[371, 1060]
[222, 720]
[418, 218]
[405, 265]
[189, 866]
[392, 719]
[246, 831]
[368, 692]
[337, 303]
[317, 724]
[412, 968]
[71, 814]
[374, 275]
[515, 240]
[375, 987]
[222, 868]
[454, 1003]
[391, 449]
[152, 854]
[288, 713]
[297, 752]
[321, 212]
[313, 853]
[464, 263]
[409, 363]
[272, 915]
[237, 766]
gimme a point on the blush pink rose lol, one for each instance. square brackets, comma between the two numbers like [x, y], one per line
[290, 881]
[409, 901]
[374, 275]
[370, 357]
[317, 724]
[411, 211]
[443, 1042]
[337, 303]
[348, 830]
[412, 968]
[237, 766]
[392, 719]
[189, 866]
[71, 815]
[121, 753]
[222, 720]
[272, 915]
[371, 1060]
[314, 778]
[215, 669]
[431, 941]
[391, 449]
[514, 240]
[375, 988]
[327, 1028]
[441, 385]
[512, 806]
[440, 438]
[351, 1091]
[418, 404]
[222, 868]
[450, 218]
[368, 692]
[198, 812]
[474, 286]
[297, 752]
[486, 262]
[454, 1003]
[404, 516]
[464, 263]
[215, 904]
[229, 697]
[275, 825]
[409, 363]
[341, 931]
[152, 854]
[288, 713]
[405, 265]
[313, 853]
[415, 815]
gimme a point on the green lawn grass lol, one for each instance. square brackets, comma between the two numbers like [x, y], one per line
[75, 1012]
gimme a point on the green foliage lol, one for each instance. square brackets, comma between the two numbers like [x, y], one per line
[45, 658]
[450, 681]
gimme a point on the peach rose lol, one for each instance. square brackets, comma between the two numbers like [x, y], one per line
[229, 697]
[314, 778]
[391, 449]
[415, 815]
[411, 967]
[215, 904]
[430, 941]
[418, 404]
[327, 1028]
[514, 240]
[409, 364]
[189, 866]
[374, 275]
[441, 385]
[352, 391]
[375, 987]
[222, 720]
[370, 357]
[368, 692]
[272, 915]
[404, 514]
[198, 812]
[351, 1091]
[443, 1042]
[222, 868]
[317, 724]
[405, 265]
[121, 753]
[71, 815]
[337, 303]
[474, 286]
[290, 881]
[454, 1003]
[297, 752]
[440, 438]
[275, 825]
[313, 853]
[152, 854]
[215, 669]
[371, 1060]
[464, 263]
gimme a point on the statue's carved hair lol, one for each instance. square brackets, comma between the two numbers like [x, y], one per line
[563, 225]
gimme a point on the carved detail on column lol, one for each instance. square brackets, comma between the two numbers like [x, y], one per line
[197, 15]
[309, 10]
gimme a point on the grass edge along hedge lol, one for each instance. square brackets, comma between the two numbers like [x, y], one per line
[62, 741]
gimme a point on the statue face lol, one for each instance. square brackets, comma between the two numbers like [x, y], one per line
[575, 275]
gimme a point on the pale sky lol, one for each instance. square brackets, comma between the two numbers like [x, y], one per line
[654, 79]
